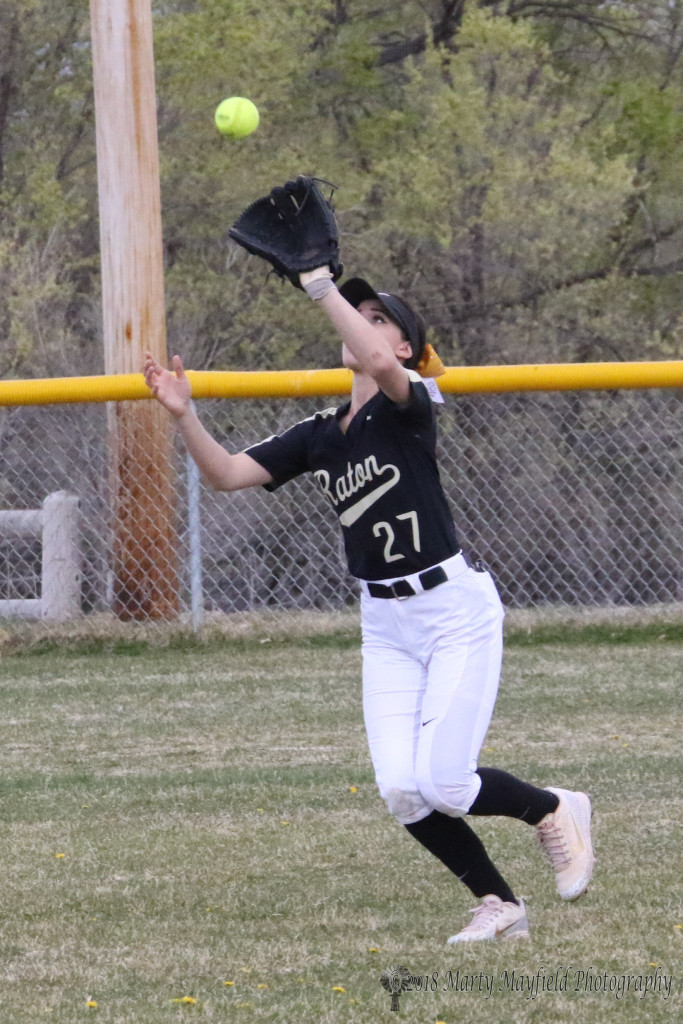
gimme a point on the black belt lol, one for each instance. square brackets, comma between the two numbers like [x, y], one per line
[429, 579]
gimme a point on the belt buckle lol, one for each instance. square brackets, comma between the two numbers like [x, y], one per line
[406, 587]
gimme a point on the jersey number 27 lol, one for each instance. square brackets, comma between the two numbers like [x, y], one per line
[388, 531]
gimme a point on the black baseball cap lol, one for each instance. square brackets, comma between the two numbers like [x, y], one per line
[357, 290]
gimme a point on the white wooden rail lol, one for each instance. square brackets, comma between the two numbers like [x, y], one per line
[57, 523]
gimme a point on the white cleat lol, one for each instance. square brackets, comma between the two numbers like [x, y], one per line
[565, 838]
[494, 919]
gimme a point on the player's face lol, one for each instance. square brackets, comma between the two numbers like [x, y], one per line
[376, 315]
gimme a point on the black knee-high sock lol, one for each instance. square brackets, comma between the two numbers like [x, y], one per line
[460, 849]
[503, 794]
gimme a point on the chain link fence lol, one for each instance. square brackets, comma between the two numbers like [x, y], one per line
[573, 499]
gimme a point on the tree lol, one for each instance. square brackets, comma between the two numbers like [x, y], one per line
[48, 234]
[549, 133]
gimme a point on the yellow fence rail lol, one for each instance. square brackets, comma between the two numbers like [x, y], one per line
[300, 383]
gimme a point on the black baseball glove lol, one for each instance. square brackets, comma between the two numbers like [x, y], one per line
[293, 228]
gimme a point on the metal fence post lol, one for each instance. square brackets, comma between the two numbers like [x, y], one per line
[194, 526]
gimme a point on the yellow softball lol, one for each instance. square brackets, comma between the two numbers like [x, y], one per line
[236, 117]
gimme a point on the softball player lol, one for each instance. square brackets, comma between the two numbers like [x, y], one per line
[431, 623]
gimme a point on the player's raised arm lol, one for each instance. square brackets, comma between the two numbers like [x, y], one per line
[377, 349]
[295, 230]
[223, 471]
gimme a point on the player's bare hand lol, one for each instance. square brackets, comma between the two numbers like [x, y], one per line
[171, 387]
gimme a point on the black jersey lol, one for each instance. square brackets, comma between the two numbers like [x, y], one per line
[380, 477]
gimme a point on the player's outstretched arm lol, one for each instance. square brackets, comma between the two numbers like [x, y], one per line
[371, 350]
[221, 470]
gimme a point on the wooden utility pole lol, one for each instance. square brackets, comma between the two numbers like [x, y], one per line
[144, 547]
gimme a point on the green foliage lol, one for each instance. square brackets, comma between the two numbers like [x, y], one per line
[517, 176]
[651, 121]
[499, 154]
[48, 258]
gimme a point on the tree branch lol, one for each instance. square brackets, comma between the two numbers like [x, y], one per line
[7, 85]
[531, 296]
[446, 26]
[444, 29]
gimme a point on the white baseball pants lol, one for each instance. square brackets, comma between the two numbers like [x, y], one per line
[431, 667]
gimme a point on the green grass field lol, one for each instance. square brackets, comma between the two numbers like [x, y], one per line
[193, 833]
